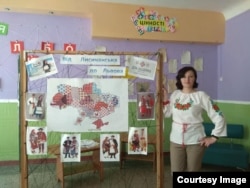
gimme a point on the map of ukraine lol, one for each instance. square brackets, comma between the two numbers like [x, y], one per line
[88, 100]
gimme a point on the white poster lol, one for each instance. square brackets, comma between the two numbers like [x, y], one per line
[198, 64]
[110, 147]
[85, 105]
[142, 68]
[172, 66]
[186, 57]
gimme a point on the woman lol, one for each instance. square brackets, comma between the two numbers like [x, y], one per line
[39, 107]
[74, 147]
[33, 141]
[187, 137]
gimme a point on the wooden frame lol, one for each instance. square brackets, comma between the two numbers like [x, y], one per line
[159, 112]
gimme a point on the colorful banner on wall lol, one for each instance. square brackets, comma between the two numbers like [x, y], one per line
[151, 21]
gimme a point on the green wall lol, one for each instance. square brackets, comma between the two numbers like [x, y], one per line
[9, 131]
[239, 114]
[9, 127]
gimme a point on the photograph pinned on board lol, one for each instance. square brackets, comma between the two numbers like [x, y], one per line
[36, 140]
[41, 67]
[138, 140]
[145, 106]
[110, 148]
[35, 106]
[70, 149]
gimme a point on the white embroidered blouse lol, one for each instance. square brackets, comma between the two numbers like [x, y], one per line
[186, 110]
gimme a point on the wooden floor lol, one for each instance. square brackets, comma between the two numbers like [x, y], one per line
[134, 174]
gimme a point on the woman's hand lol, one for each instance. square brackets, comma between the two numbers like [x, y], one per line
[207, 141]
[165, 94]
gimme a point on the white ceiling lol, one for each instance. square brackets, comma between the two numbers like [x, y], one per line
[229, 8]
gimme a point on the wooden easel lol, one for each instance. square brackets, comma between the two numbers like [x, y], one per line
[159, 112]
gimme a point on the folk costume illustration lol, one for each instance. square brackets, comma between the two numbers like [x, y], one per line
[36, 140]
[70, 148]
[41, 140]
[137, 140]
[109, 150]
[35, 106]
[145, 105]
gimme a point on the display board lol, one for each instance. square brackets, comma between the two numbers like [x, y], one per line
[70, 71]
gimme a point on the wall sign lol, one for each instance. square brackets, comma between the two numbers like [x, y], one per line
[151, 21]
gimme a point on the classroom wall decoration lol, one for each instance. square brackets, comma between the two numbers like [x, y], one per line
[16, 46]
[151, 21]
[87, 105]
[4, 27]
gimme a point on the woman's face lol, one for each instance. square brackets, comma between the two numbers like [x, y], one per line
[188, 80]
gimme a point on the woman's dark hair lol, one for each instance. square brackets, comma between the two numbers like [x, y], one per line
[181, 74]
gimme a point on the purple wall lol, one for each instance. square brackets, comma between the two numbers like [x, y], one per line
[234, 60]
[33, 29]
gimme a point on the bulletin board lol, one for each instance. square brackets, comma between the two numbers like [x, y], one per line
[24, 88]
